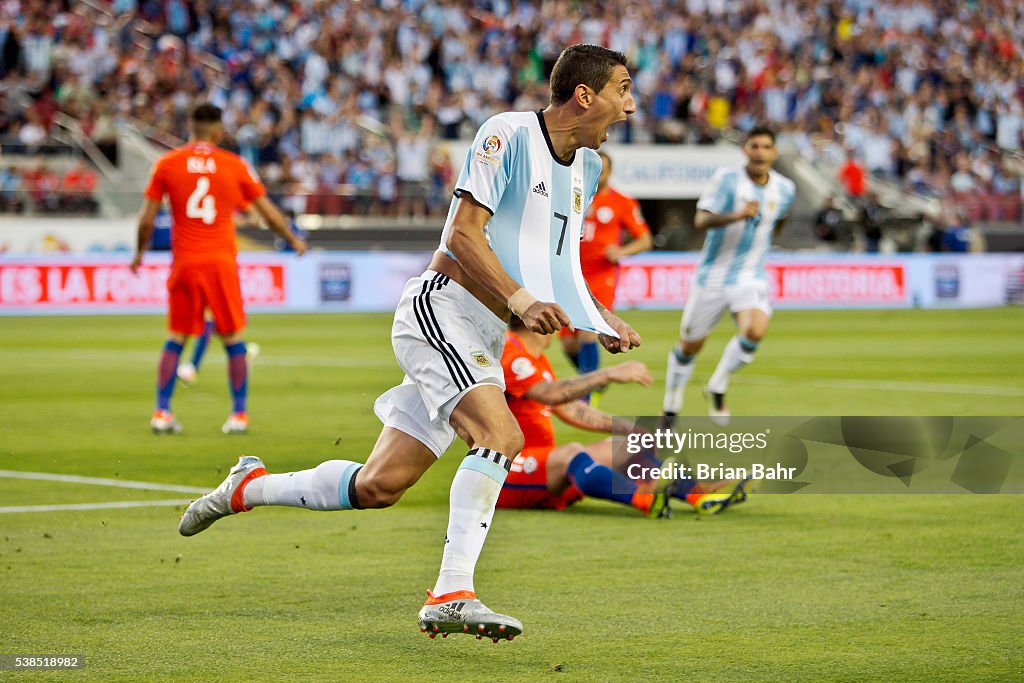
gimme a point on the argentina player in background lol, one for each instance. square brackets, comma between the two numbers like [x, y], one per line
[741, 209]
[510, 245]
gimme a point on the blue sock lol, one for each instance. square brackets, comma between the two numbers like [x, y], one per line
[167, 372]
[201, 342]
[589, 359]
[238, 375]
[600, 481]
[682, 357]
[746, 344]
[683, 488]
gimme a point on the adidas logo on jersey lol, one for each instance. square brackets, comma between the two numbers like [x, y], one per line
[540, 189]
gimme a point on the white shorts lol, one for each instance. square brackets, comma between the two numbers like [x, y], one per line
[448, 343]
[705, 305]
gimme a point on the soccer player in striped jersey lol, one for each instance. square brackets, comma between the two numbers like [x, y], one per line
[510, 245]
[740, 209]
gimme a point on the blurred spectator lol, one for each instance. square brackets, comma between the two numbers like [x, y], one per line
[957, 236]
[41, 183]
[78, 189]
[853, 177]
[873, 218]
[828, 224]
[412, 150]
[32, 134]
[11, 200]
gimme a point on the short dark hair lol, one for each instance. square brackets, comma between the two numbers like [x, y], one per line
[206, 113]
[758, 131]
[590, 65]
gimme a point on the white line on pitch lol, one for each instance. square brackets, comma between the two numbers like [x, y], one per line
[91, 506]
[889, 385]
[148, 357]
[97, 481]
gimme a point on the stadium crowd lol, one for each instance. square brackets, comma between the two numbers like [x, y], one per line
[358, 99]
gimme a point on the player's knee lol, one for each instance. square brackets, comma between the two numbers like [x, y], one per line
[754, 333]
[692, 346]
[505, 437]
[564, 455]
[514, 440]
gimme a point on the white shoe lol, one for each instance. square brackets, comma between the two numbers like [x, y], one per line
[238, 423]
[188, 374]
[462, 612]
[226, 499]
[718, 412]
[163, 422]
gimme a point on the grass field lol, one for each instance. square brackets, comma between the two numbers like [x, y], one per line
[783, 588]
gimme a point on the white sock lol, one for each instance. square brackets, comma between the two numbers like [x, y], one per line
[676, 378]
[474, 493]
[733, 359]
[325, 487]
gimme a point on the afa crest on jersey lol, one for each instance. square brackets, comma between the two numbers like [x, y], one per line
[577, 200]
[480, 358]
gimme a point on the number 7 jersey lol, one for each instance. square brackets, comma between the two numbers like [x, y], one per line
[205, 186]
[537, 204]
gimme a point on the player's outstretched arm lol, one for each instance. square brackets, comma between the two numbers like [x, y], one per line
[559, 391]
[147, 219]
[469, 245]
[615, 253]
[277, 222]
[580, 415]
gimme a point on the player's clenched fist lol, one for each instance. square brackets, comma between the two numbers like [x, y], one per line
[545, 318]
[749, 210]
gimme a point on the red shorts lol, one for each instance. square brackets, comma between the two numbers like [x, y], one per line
[194, 287]
[526, 486]
[602, 285]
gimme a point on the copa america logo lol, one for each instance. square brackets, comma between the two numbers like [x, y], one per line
[492, 145]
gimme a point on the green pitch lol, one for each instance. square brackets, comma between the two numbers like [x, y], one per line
[782, 588]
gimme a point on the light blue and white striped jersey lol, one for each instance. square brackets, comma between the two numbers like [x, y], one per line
[736, 252]
[537, 204]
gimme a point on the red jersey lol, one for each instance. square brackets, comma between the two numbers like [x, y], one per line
[609, 214]
[206, 185]
[522, 371]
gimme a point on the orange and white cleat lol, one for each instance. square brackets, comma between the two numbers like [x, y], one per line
[238, 423]
[226, 499]
[163, 422]
[462, 612]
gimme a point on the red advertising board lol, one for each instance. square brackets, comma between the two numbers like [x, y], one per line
[41, 285]
[661, 283]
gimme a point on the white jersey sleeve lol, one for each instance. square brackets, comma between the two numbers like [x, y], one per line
[719, 196]
[489, 163]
